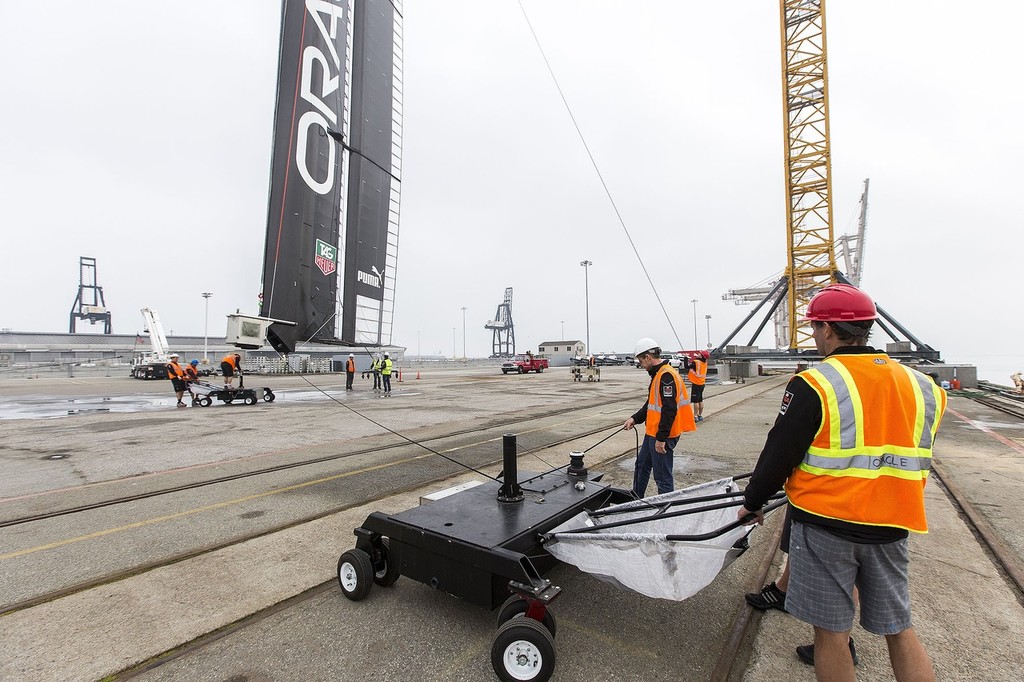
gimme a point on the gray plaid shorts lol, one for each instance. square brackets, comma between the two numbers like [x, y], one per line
[824, 568]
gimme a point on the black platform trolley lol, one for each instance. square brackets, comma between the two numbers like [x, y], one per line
[483, 545]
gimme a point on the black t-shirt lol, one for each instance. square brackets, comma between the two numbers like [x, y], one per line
[795, 426]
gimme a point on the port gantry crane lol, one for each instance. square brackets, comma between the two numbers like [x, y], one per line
[810, 248]
[504, 341]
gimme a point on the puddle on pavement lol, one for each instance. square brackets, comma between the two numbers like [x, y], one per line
[52, 407]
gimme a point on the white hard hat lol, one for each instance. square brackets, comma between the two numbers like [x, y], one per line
[350, 355]
[645, 345]
[174, 355]
[386, 355]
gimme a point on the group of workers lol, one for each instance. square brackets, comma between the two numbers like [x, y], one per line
[181, 377]
[381, 369]
[851, 446]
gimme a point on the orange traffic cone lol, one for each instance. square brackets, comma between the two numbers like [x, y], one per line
[417, 375]
[399, 376]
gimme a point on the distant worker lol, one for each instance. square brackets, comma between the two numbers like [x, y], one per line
[191, 373]
[350, 371]
[592, 361]
[229, 367]
[385, 372]
[665, 415]
[375, 367]
[698, 375]
[177, 376]
[1018, 381]
[852, 445]
[192, 376]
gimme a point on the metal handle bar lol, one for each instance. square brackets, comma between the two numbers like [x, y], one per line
[780, 497]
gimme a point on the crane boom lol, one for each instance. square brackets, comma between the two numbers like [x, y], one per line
[811, 259]
[157, 338]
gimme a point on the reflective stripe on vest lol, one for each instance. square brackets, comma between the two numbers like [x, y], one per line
[871, 456]
[699, 374]
[684, 416]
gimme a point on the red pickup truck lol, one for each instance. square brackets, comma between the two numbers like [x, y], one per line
[522, 364]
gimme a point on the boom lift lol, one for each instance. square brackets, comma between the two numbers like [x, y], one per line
[152, 365]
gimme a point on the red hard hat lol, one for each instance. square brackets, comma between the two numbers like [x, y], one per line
[841, 303]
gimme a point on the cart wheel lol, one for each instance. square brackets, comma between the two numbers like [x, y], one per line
[249, 400]
[523, 650]
[268, 395]
[388, 573]
[539, 370]
[517, 606]
[355, 574]
[205, 401]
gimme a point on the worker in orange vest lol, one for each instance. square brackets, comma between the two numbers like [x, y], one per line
[350, 371]
[698, 375]
[665, 416]
[230, 365]
[852, 443]
[177, 376]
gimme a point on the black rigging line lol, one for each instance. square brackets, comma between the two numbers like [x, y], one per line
[597, 170]
[390, 430]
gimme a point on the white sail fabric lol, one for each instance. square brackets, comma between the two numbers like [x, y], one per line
[639, 558]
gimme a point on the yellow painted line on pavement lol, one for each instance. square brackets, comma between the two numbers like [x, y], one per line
[197, 510]
[240, 500]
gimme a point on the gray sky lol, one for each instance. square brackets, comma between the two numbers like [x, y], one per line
[140, 134]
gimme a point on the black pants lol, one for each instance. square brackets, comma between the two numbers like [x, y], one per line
[387, 383]
[349, 376]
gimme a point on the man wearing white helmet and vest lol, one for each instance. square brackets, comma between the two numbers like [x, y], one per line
[665, 416]
[852, 443]
[350, 371]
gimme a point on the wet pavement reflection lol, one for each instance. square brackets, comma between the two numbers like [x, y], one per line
[51, 407]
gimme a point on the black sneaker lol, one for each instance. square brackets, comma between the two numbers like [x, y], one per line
[770, 597]
[806, 653]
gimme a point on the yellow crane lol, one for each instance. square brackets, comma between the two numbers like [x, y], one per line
[810, 249]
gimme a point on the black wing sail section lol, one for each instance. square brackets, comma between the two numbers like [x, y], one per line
[301, 258]
[374, 183]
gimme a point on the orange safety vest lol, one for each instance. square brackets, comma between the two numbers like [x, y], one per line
[699, 374]
[684, 417]
[174, 370]
[869, 461]
[231, 360]
[350, 365]
[191, 374]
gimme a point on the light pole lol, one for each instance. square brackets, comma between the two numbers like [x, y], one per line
[206, 327]
[563, 331]
[707, 318]
[455, 349]
[586, 292]
[463, 332]
[695, 342]
[418, 355]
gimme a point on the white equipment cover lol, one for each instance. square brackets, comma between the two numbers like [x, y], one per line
[639, 558]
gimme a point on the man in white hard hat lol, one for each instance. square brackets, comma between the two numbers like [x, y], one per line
[177, 376]
[350, 371]
[666, 415]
